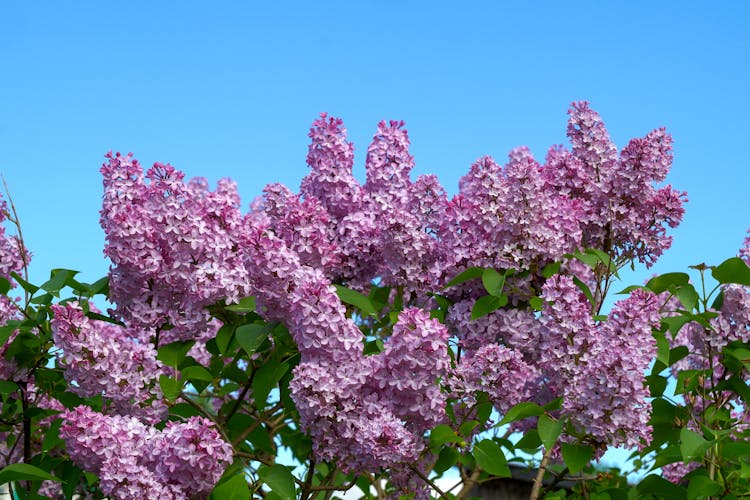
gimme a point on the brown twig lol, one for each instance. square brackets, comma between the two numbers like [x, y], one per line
[428, 481]
[540, 474]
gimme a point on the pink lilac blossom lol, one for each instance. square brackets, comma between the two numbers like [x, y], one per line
[173, 247]
[13, 258]
[331, 159]
[107, 359]
[499, 371]
[603, 391]
[135, 460]
[626, 214]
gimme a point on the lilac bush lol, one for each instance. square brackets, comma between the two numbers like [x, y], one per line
[376, 330]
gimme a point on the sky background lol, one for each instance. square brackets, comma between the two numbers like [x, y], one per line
[229, 89]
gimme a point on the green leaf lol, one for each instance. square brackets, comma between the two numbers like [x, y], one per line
[493, 281]
[741, 354]
[521, 411]
[702, 486]
[374, 347]
[447, 458]
[4, 286]
[551, 269]
[101, 317]
[172, 354]
[677, 354]
[603, 258]
[536, 303]
[688, 296]
[266, 379]
[675, 323]
[584, 288]
[490, 458]
[32, 289]
[467, 427]
[657, 384]
[353, 297]
[732, 270]
[442, 434]
[7, 387]
[245, 305]
[7, 330]
[487, 304]
[692, 445]
[25, 472]
[224, 338]
[549, 430]
[663, 412]
[279, 479]
[469, 274]
[718, 301]
[529, 441]
[667, 281]
[733, 450]
[655, 485]
[590, 260]
[576, 456]
[235, 488]
[170, 387]
[251, 336]
[52, 437]
[57, 280]
[100, 286]
[196, 372]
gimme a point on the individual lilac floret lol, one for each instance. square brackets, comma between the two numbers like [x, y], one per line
[135, 460]
[105, 359]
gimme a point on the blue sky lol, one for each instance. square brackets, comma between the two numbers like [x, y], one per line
[229, 89]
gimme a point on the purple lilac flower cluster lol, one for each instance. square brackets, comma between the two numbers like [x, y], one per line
[13, 257]
[173, 247]
[177, 247]
[103, 358]
[135, 460]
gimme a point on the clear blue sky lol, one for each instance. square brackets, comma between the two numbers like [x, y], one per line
[229, 89]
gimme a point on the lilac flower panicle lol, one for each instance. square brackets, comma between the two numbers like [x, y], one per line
[177, 247]
[102, 358]
[135, 460]
[173, 246]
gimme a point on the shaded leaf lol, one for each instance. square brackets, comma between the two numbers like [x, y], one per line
[469, 274]
[235, 488]
[250, 337]
[25, 472]
[733, 270]
[491, 458]
[521, 411]
[353, 297]
[576, 456]
[279, 479]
